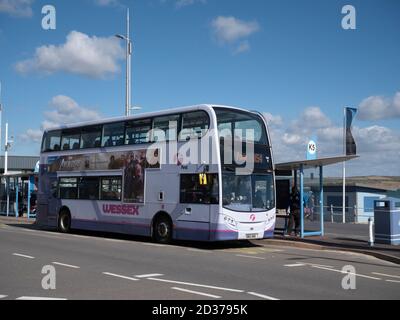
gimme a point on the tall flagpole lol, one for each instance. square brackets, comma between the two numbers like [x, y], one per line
[344, 167]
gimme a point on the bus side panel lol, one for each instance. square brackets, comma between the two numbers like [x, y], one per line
[91, 215]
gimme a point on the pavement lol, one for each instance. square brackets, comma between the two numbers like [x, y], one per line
[107, 266]
[347, 237]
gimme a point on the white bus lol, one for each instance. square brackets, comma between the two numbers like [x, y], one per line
[164, 175]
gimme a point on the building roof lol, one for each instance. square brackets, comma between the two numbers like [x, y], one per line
[19, 163]
[372, 182]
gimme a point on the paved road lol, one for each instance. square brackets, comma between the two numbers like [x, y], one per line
[95, 266]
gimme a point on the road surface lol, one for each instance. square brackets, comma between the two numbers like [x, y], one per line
[99, 266]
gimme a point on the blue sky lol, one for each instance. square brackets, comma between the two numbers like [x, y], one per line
[290, 59]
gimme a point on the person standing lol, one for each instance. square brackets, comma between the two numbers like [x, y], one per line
[294, 217]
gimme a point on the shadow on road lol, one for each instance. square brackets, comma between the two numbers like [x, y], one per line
[106, 235]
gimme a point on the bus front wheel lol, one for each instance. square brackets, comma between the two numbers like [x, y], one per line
[64, 221]
[162, 229]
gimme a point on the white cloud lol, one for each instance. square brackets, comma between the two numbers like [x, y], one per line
[313, 117]
[65, 110]
[17, 8]
[273, 120]
[107, 3]
[234, 32]
[32, 135]
[378, 147]
[184, 3]
[379, 108]
[81, 54]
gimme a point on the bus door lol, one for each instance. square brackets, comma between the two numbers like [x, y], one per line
[199, 197]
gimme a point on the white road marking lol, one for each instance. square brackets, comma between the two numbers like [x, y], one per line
[39, 298]
[195, 285]
[270, 250]
[142, 276]
[386, 275]
[196, 292]
[153, 245]
[23, 256]
[66, 265]
[198, 250]
[393, 281]
[294, 265]
[262, 296]
[3, 296]
[251, 257]
[319, 265]
[119, 276]
[350, 273]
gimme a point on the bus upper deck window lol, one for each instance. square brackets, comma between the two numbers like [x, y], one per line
[194, 125]
[113, 134]
[165, 128]
[91, 137]
[70, 140]
[51, 141]
[137, 132]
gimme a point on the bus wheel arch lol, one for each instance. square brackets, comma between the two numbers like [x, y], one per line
[162, 227]
[64, 220]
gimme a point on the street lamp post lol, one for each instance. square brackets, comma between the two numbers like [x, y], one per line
[128, 65]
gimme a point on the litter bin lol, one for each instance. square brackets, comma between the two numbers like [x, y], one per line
[387, 221]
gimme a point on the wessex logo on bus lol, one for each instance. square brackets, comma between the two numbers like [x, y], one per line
[124, 209]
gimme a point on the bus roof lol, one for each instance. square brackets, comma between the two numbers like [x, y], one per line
[144, 116]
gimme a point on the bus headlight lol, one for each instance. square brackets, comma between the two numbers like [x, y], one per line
[230, 221]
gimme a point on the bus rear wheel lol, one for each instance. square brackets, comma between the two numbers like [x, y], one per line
[64, 221]
[162, 230]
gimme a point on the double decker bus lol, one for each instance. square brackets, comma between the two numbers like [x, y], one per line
[191, 173]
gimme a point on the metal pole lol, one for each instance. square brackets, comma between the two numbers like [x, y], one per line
[6, 151]
[6, 170]
[28, 206]
[16, 198]
[128, 65]
[371, 241]
[344, 168]
[321, 197]
[8, 196]
[301, 200]
[1, 114]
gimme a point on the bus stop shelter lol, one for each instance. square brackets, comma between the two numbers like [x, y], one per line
[17, 191]
[299, 167]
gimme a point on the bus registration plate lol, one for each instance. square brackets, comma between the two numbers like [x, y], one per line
[252, 235]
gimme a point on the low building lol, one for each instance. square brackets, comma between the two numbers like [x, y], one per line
[361, 192]
[19, 164]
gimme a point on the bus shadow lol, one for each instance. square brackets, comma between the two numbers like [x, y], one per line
[211, 246]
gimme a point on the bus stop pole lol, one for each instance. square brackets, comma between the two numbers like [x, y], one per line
[28, 206]
[8, 196]
[301, 200]
[321, 197]
[16, 199]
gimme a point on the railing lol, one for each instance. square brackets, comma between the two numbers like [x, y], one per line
[334, 214]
